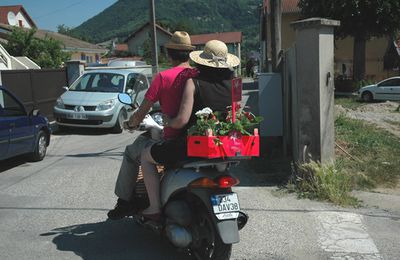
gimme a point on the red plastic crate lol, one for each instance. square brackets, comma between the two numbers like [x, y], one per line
[204, 146]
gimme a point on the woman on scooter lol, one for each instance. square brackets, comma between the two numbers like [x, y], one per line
[212, 88]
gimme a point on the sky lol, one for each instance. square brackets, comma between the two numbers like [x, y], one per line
[47, 14]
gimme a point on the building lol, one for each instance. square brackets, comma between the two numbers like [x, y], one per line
[233, 40]
[375, 51]
[17, 16]
[138, 38]
[8, 62]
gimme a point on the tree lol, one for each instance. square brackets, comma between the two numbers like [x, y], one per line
[47, 52]
[63, 29]
[361, 19]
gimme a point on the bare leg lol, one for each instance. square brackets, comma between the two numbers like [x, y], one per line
[152, 182]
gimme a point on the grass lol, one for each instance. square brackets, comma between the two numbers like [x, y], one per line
[374, 162]
[349, 102]
[377, 150]
[324, 182]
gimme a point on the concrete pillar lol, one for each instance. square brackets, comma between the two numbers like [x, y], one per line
[315, 89]
[75, 68]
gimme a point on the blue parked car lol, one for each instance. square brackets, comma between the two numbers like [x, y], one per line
[21, 132]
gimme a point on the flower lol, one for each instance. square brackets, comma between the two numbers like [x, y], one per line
[204, 112]
[221, 124]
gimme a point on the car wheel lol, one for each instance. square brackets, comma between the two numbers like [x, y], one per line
[40, 147]
[120, 120]
[367, 96]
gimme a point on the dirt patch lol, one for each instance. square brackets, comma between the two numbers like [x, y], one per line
[384, 115]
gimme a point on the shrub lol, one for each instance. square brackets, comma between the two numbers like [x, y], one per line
[323, 182]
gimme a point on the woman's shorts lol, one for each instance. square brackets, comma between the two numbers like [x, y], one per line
[169, 151]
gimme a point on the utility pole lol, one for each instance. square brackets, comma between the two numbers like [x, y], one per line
[153, 37]
[276, 38]
[263, 60]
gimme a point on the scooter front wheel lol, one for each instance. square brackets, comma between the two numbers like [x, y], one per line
[208, 244]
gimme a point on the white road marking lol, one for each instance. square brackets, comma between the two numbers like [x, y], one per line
[343, 235]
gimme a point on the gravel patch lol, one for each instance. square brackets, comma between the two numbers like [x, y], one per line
[384, 115]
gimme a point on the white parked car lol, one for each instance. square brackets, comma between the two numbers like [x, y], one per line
[388, 89]
[92, 100]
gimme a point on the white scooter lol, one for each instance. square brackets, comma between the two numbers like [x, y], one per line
[200, 213]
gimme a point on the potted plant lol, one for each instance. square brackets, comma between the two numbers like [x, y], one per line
[230, 134]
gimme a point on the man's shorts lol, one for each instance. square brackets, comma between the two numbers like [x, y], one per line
[169, 152]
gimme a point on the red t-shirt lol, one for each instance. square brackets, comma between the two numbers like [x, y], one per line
[168, 91]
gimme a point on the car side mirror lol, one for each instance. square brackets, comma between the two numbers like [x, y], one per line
[65, 88]
[129, 91]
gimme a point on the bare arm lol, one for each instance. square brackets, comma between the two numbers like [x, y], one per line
[138, 116]
[186, 107]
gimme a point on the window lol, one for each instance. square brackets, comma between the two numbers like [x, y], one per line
[99, 82]
[83, 56]
[390, 83]
[10, 106]
[136, 81]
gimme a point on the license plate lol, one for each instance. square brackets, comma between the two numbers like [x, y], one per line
[225, 205]
[77, 116]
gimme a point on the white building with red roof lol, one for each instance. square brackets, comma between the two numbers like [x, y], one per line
[16, 15]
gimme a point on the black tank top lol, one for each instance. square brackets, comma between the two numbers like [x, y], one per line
[215, 94]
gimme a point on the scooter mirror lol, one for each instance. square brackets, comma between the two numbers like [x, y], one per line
[125, 99]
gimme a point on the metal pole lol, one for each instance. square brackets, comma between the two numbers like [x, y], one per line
[154, 37]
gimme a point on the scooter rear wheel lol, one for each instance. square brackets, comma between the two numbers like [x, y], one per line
[209, 244]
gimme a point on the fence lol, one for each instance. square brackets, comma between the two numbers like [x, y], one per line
[37, 89]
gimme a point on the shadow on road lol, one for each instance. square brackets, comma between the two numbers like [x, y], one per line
[82, 131]
[121, 239]
[262, 172]
[13, 162]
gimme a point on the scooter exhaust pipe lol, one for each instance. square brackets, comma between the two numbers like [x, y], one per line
[179, 236]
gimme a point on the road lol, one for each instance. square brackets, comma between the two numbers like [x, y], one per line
[56, 209]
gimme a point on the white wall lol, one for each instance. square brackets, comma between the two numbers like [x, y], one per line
[14, 21]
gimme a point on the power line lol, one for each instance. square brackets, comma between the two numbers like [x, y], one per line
[59, 10]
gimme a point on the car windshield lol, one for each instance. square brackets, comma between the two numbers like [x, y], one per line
[99, 82]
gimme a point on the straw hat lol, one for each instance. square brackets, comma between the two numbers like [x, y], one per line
[215, 54]
[180, 40]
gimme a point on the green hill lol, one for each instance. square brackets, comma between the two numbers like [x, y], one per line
[195, 16]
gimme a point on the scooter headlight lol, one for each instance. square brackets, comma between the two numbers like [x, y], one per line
[158, 118]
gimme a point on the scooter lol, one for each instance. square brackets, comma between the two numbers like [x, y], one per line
[200, 213]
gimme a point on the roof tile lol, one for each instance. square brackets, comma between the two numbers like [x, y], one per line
[226, 37]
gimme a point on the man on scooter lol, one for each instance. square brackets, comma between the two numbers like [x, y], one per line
[167, 89]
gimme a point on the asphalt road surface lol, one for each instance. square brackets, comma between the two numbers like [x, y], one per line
[56, 209]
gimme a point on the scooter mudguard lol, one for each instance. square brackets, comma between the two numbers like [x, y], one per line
[228, 230]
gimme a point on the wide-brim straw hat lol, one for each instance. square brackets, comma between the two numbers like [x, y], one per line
[216, 55]
[180, 40]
